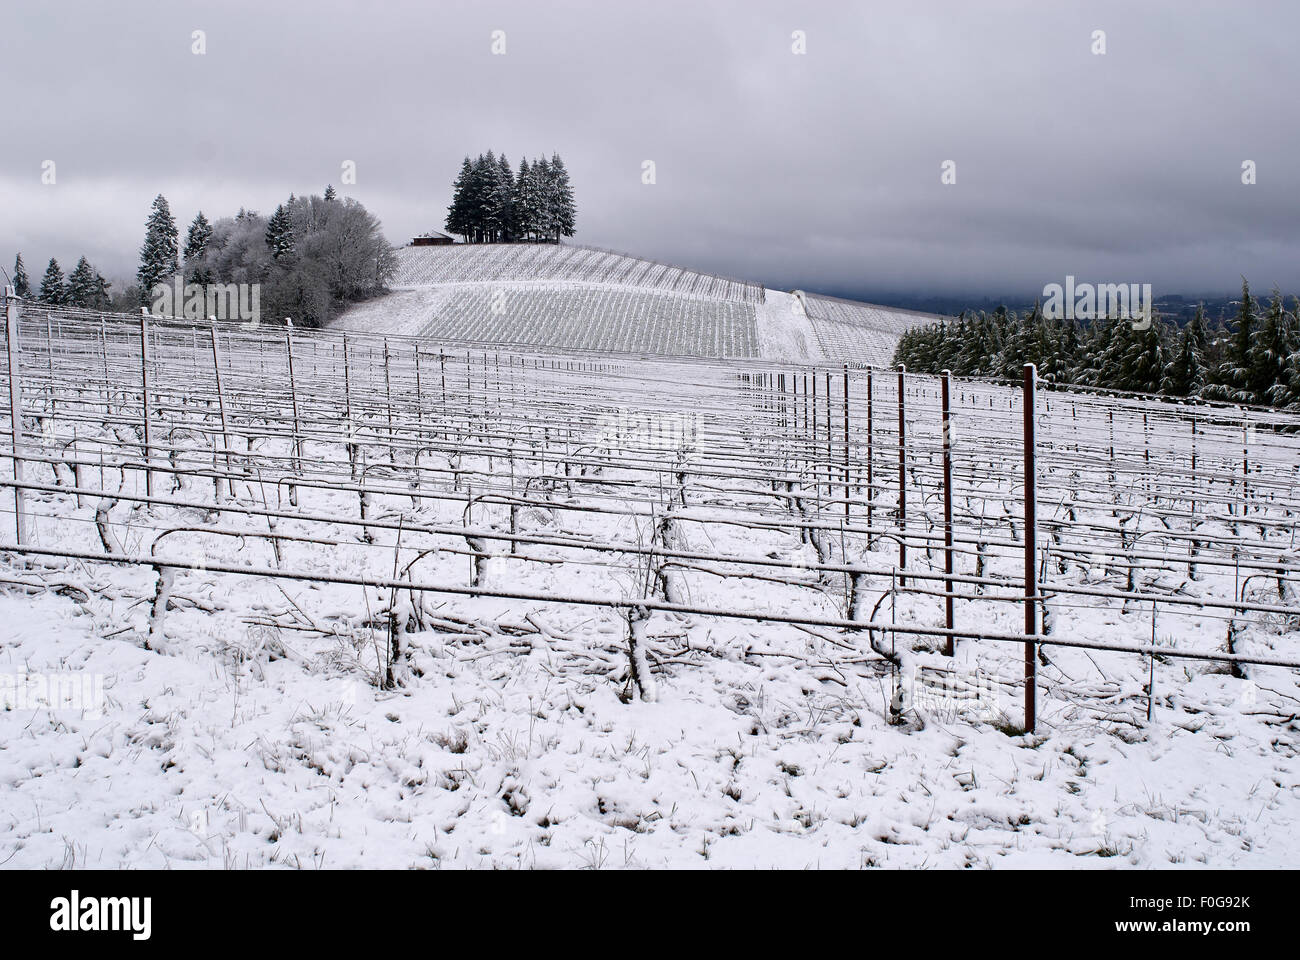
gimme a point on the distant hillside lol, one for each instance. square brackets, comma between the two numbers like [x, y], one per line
[482, 263]
[577, 298]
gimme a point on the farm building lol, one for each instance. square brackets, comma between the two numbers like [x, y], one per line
[431, 239]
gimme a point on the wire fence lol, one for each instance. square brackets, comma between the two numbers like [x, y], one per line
[887, 511]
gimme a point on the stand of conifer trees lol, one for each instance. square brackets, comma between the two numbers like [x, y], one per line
[1253, 359]
[490, 204]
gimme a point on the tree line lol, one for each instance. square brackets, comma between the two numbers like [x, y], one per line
[84, 287]
[1252, 359]
[490, 204]
[310, 257]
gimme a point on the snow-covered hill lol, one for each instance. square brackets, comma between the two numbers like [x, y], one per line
[581, 298]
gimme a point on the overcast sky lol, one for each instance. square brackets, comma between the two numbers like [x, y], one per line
[820, 170]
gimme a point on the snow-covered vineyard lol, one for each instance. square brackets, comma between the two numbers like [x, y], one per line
[581, 299]
[337, 599]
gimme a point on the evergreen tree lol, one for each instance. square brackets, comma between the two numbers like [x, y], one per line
[1142, 365]
[485, 196]
[525, 201]
[81, 289]
[158, 255]
[330, 195]
[545, 196]
[478, 193]
[279, 233]
[1185, 373]
[1271, 350]
[1113, 338]
[196, 244]
[1069, 347]
[100, 298]
[458, 214]
[1232, 380]
[563, 216]
[1286, 392]
[499, 199]
[22, 284]
[53, 290]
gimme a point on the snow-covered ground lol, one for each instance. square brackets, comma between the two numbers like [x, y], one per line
[236, 753]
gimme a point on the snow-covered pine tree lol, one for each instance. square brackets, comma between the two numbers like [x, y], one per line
[501, 201]
[1142, 365]
[564, 216]
[1271, 350]
[196, 244]
[458, 213]
[484, 194]
[545, 198]
[1286, 392]
[330, 195]
[158, 255]
[22, 283]
[1013, 356]
[525, 205]
[1231, 380]
[1114, 339]
[53, 290]
[279, 233]
[101, 298]
[1185, 372]
[1068, 347]
[81, 287]
[977, 355]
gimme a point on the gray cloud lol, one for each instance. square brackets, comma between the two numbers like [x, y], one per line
[820, 171]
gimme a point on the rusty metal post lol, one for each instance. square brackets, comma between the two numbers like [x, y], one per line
[144, 402]
[351, 445]
[847, 473]
[871, 456]
[221, 405]
[902, 478]
[1031, 551]
[15, 409]
[49, 358]
[293, 399]
[388, 401]
[830, 452]
[951, 646]
[810, 417]
[419, 399]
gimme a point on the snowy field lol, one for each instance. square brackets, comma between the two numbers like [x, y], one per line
[408, 604]
[557, 296]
